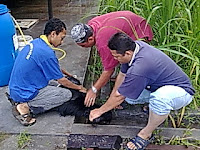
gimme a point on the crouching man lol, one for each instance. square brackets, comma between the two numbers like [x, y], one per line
[34, 67]
[145, 69]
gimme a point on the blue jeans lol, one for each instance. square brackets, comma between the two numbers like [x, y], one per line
[164, 99]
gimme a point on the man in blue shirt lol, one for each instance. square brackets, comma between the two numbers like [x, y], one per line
[145, 69]
[34, 67]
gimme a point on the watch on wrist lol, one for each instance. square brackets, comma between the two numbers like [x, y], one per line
[94, 90]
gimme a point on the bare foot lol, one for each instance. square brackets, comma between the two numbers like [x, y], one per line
[23, 108]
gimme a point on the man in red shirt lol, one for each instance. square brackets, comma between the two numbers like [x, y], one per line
[98, 31]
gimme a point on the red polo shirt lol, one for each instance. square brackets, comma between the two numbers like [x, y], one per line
[106, 25]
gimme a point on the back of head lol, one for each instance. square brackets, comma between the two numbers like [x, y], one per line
[81, 32]
[121, 43]
[54, 24]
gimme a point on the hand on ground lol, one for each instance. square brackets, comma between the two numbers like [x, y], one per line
[95, 113]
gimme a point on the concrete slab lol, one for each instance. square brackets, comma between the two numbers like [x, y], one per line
[35, 143]
[76, 59]
[130, 131]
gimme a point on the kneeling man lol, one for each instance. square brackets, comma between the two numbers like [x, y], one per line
[145, 69]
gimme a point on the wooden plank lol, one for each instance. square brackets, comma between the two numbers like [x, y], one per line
[26, 23]
[94, 141]
[129, 131]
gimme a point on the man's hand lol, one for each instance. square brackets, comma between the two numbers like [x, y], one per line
[90, 98]
[83, 89]
[95, 113]
[113, 101]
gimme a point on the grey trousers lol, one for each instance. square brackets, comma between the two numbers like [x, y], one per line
[49, 97]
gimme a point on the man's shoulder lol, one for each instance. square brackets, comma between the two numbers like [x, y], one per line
[141, 43]
[40, 44]
[145, 46]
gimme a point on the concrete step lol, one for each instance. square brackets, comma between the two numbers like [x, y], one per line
[130, 131]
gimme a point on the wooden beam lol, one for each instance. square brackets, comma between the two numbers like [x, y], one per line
[50, 9]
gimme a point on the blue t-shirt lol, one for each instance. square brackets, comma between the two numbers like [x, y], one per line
[30, 75]
[150, 70]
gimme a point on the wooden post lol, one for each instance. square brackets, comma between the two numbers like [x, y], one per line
[50, 10]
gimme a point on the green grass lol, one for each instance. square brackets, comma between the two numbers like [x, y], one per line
[23, 139]
[186, 139]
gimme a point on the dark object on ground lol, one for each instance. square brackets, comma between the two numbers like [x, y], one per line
[76, 107]
[76, 141]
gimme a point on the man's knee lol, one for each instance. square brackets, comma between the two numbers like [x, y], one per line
[168, 98]
[65, 93]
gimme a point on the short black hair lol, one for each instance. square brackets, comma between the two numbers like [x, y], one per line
[88, 34]
[54, 24]
[121, 43]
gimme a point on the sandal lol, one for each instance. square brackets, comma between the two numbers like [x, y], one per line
[13, 103]
[25, 119]
[140, 143]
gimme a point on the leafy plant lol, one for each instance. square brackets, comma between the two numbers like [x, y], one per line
[159, 139]
[186, 140]
[23, 139]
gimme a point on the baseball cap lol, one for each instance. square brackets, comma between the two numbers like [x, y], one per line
[79, 32]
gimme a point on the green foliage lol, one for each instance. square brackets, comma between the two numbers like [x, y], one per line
[23, 139]
[94, 68]
[191, 121]
[159, 139]
[185, 140]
